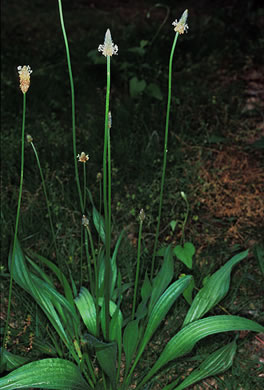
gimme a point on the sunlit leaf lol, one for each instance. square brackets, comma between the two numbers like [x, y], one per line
[85, 303]
[55, 374]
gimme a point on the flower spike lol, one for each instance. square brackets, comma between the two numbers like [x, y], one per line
[181, 26]
[24, 77]
[108, 48]
[83, 157]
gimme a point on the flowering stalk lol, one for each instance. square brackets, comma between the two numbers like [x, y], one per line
[83, 158]
[24, 78]
[73, 105]
[30, 140]
[180, 28]
[95, 290]
[107, 49]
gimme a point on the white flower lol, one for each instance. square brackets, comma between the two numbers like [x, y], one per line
[108, 48]
[181, 26]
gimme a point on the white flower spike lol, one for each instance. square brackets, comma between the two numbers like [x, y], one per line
[108, 48]
[24, 77]
[83, 157]
[181, 26]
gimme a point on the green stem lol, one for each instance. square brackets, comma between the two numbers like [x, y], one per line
[84, 205]
[17, 219]
[95, 281]
[107, 204]
[73, 106]
[109, 173]
[164, 155]
[84, 186]
[89, 260]
[46, 197]
[100, 209]
[137, 270]
[185, 218]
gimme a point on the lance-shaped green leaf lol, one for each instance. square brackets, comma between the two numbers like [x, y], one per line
[214, 290]
[55, 374]
[99, 224]
[160, 310]
[113, 263]
[85, 303]
[217, 362]
[130, 341]
[184, 341]
[10, 361]
[116, 324]
[163, 305]
[163, 279]
[146, 288]
[113, 271]
[60, 276]
[59, 311]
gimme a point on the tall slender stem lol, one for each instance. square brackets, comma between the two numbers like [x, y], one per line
[11, 265]
[107, 202]
[47, 199]
[73, 106]
[164, 155]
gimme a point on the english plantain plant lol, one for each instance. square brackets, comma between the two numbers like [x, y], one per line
[93, 345]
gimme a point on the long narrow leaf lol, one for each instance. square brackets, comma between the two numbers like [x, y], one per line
[130, 341]
[116, 325]
[59, 311]
[113, 263]
[99, 224]
[10, 361]
[217, 362]
[55, 374]
[184, 341]
[214, 290]
[85, 303]
[163, 279]
[162, 307]
[160, 310]
[60, 276]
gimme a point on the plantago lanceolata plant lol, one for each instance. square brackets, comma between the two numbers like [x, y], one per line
[24, 78]
[94, 346]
